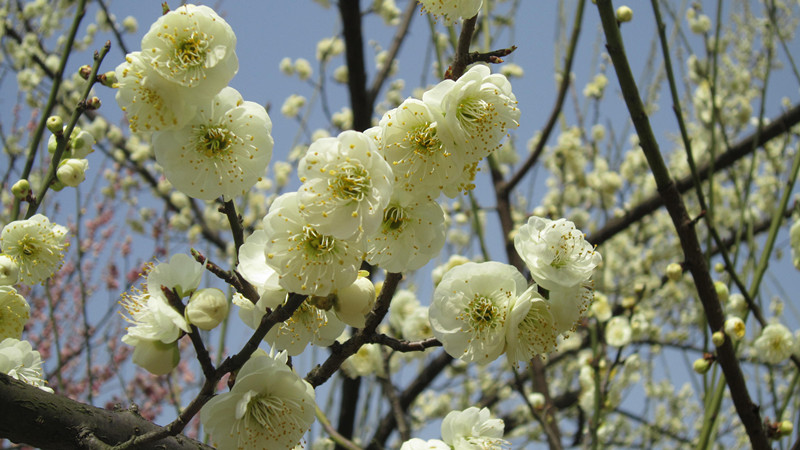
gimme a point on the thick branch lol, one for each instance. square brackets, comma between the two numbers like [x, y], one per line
[51, 421]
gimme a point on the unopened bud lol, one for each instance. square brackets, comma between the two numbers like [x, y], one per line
[354, 302]
[85, 71]
[9, 271]
[155, 356]
[81, 144]
[93, 103]
[21, 189]
[701, 365]
[624, 14]
[722, 291]
[537, 400]
[108, 79]
[674, 271]
[55, 124]
[207, 308]
[71, 172]
[785, 428]
[718, 338]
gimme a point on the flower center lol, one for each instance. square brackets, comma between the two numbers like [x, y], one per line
[424, 140]
[393, 219]
[352, 183]
[482, 314]
[472, 113]
[215, 141]
[191, 51]
[316, 244]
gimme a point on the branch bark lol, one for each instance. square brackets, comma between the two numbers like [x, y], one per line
[50, 421]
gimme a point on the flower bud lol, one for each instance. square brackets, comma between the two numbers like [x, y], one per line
[21, 189]
[785, 428]
[207, 308]
[537, 400]
[156, 357]
[93, 103]
[354, 302]
[735, 328]
[722, 291]
[624, 14]
[9, 271]
[718, 338]
[55, 124]
[71, 172]
[84, 71]
[701, 365]
[82, 144]
[108, 79]
[674, 271]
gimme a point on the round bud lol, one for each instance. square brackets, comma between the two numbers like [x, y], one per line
[207, 308]
[537, 400]
[624, 14]
[722, 291]
[701, 365]
[93, 103]
[108, 79]
[354, 302]
[9, 271]
[718, 338]
[785, 428]
[628, 302]
[55, 124]
[156, 357]
[82, 143]
[674, 271]
[85, 70]
[21, 189]
[71, 172]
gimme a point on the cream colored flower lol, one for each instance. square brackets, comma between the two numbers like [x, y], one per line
[36, 246]
[14, 313]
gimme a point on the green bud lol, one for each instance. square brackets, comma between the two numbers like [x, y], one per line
[785, 428]
[624, 14]
[55, 124]
[718, 338]
[674, 271]
[701, 365]
[21, 189]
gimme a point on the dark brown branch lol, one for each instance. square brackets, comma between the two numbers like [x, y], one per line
[350, 12]
[403, 345]
[32, 416]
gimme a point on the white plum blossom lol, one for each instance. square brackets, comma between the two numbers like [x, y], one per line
[36, 246]
[14, 313]
[570, 305]
[308, 325]
[479, 108]
[269, 406]
[182, 274]
[367, 360]
[618, 332]
[419, 444]
[346, 185]
[423, 153]
[531, 329]
[470, 307]
[411, 234]
[403, 304]
[473, 428]
[451, 10]
[223, 150]
[775, 344]
[253, 262]
[192, 46]
[307, 261]
[21, 362]
[150, 102]
[555, 252]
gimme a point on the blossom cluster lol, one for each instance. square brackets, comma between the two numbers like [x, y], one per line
[209, 141]
[482, 310]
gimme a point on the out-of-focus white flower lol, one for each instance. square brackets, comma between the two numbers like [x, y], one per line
[364, 362]
[224, 150]
[450, 11]
[417, 326]
[307, 261]
[292, 104]
[329, 47]
[14, 313]
[269, 406]
[346, 185]
[775, 344]
[308, 325]
[36, 246]
[411, 234]
[193, 47]
[470, 306]
[479, 109]
[536, 400]
[419, 444]
[618, 332]
[601, 308]
[354, 302]
[303, 68]
[735, 328]
[207, 308]
[556, 252]
[438, 272]
[473, 428]
[9, 271]
[794, 239]
[403, 304]
[20, 361]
